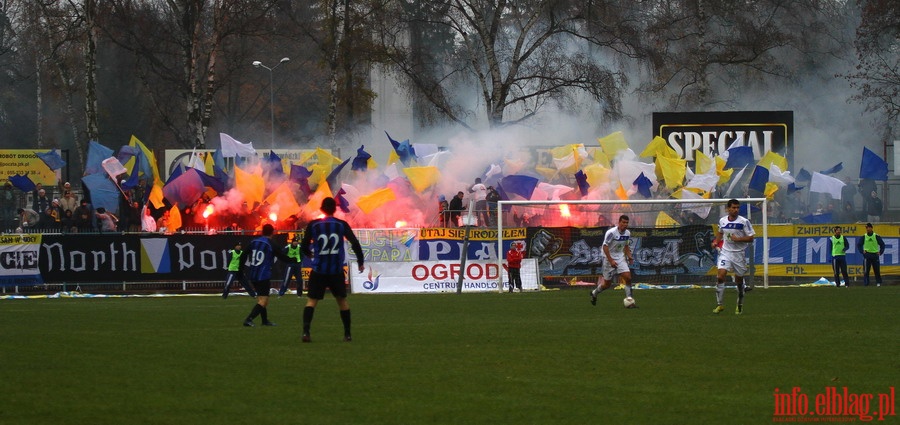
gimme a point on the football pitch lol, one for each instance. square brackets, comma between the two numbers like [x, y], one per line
[531, 358]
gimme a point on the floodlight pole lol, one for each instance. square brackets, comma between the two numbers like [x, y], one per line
[259, 64]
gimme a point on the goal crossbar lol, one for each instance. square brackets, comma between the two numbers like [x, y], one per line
[763, 201]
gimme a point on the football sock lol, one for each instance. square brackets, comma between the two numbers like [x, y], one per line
[720, 293]
[264, 313]
[740, 289]
[628, 291]
[307, 318]
[254, 312]
[345, 318]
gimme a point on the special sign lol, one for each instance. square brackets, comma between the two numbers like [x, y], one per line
[714, 132]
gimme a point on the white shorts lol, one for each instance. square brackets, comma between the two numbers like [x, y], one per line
[609, 273]
[733, 261]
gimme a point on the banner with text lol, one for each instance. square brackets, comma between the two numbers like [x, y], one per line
[437, 277]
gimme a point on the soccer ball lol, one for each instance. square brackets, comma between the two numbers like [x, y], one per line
[628, 302]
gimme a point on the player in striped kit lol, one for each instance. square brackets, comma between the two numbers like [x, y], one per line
[323, 241]
[735, 234]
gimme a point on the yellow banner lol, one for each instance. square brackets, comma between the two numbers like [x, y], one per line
[24, 161]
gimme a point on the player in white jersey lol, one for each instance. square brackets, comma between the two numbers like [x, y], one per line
[735, 234]
[617, 249]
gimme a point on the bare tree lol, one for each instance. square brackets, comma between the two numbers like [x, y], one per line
[520, 55]
[877, 75]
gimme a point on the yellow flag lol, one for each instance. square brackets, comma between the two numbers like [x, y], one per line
[665, 220]
[156, 196]
[368, 203]
[703, 163]
[251, 185]
[393, 158]
[547, 173]
[673, 170]
[724, 175]
[621, 193]
[174, 218]
[326, 159]
[422, 178]
[659, 147]
[771, 188]
[613, 144]
[596, 175]
[773, 158]
[134, 142]
[282, 201]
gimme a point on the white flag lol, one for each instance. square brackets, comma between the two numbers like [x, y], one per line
[113, 167]
[821, 183]
[232, 148]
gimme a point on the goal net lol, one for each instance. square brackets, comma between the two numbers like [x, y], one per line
[670, 238]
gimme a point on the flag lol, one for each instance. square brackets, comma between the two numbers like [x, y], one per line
[759, 179]
[300, 175]
[793, 188]
[872, 166]
[739, 157]
[332, 177]
[104, 192]
[665, 220]
[621, 193]
[803, 175]
[734, 181]
[232, 148]
[658, 147]
[519, 185]
[133, 178]
[583, 185]
[673, 170]
[817, 218]
[643, 185]
[404, 150]
[422, 178]
[282, 202]
[772, 158]
[771, 188]
[273, 169]
[361, 162]
[550, 191]
[52, 159]
[175, 221]
[613, 144]
[342, 202]
[113, 167]
[22, 183]
[778, 177]
[832, 170]
[821, 183]
[185, 189]
[148, 164]
[95, 156]
[368, 203]
[251, 185]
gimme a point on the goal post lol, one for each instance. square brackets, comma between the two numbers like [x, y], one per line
[548, 215]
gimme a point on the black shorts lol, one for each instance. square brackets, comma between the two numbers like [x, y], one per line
[262, 287]
[318, 282]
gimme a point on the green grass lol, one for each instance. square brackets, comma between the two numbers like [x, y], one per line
[533, 358]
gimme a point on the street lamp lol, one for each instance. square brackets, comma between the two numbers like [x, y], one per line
[259, 64]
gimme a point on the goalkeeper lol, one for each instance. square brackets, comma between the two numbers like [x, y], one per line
[617, 248]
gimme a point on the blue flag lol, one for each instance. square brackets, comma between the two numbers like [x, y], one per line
[403, 149]
[52, 159]
[134, 178]
[342, 202]
[832, 170]
[361, 162]
[332, 177]
[739, 157]
[272, 167]
[643, 185]
[96, 154]
[759, 179]
[793, 188]
[300, 175]
[872, 166]
[583, 184]
[104, 192]
[22, 183]
[817, 218]
[519, 185]
[804, 176]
